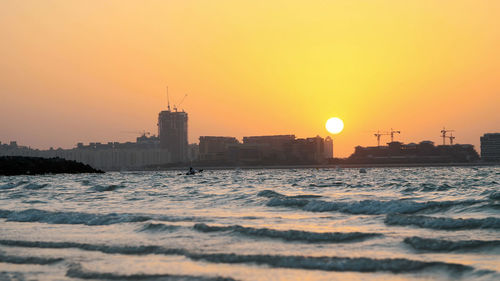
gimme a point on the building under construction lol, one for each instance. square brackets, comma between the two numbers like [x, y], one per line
[173, 132]
[423, 152]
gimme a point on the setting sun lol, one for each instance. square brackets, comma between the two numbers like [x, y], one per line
[334, 125]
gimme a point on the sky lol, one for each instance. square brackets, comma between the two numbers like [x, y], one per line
[97, 71]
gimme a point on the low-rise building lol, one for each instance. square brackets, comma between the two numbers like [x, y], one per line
[109, 156]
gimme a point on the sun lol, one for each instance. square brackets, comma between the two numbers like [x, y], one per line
[334, 125]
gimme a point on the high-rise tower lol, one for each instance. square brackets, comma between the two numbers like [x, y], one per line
[172, 131]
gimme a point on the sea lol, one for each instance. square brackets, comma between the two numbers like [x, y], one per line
[422, 223]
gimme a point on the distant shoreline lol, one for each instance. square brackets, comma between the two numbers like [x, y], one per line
[330, 166]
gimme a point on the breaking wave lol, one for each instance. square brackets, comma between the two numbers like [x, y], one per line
[278, 261]
[104, 188]
[158, 227]
[124, 250]
[439, 245]
[290, 235]
[273, 194]
[36, 215]
[11, 185]
[35, 186]
[442, 223]
[76, 271]
[495, 195]
[332, 263]
[367, 207]
[426, 187]
[28, 260]
[269, 194]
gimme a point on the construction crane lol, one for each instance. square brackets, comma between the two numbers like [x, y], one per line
[378, 134]
[179, 104]
[444, 136]
[168, 100]
[392, 134]
[451, 137]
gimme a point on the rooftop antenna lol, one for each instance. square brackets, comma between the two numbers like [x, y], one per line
[168, 100]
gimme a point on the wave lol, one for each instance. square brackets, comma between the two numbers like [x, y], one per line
[35, 186]
[399, 265]
[442, 223]
[36, 215]
[426, 187]
[439, 245]
[290, 235]
[124, 250]
[158, 227]
[104, 188]
[368, 207]
[28, 260]
[273, 194]
[332, 263]
[76, 271]
[495, 195]
[11, 185]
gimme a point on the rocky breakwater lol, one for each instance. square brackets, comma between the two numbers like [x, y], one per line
[19, 165]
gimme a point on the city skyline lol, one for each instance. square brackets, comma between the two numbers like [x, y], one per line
[85, 72]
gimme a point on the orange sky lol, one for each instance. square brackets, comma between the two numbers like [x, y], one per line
[81, 71]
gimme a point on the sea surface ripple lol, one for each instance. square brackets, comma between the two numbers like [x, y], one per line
[256, 224]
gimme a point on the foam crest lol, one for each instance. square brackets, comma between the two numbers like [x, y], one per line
[28, 260]
[158, 227]
[290, 235]
[124, 249]
[11, 185]
[104, 188]
[495, 195]
[273, 194]
[76, 271]
[368, 207]
[36, 215]
[269, 194]
[442, 223]
[332, 263]
[35, 186]
[440, 245]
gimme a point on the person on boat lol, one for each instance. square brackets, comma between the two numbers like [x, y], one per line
[191, 171]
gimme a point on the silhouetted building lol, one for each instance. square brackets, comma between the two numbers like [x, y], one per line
[273, 149]
[173, 134]
[424, 152]
[109, 156]
[328, 147]
[262, 150]
[309, 150]
[490, 147]
[215, 149]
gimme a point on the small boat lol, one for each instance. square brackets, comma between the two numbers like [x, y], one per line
[193, 171]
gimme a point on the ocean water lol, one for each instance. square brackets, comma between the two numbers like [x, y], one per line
[268, 224]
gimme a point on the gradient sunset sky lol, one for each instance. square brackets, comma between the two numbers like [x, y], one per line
[82, 71]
